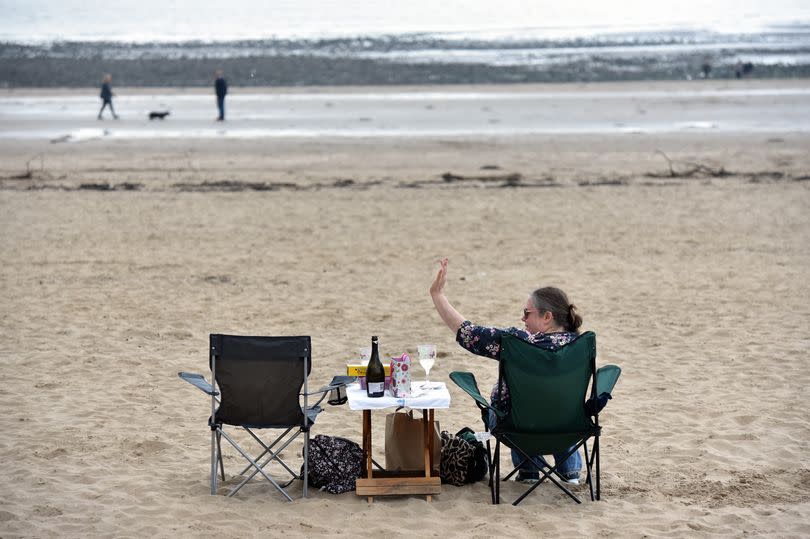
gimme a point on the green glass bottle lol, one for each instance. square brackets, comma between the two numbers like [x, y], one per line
[375, 373]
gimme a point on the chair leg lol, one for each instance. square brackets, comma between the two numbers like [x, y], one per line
[516, 469]
[491, 470]
[497, 478]
[596, 456]
[306, 462]
[529, 491]
[588, 463]
[548, 472]
[214, 435]
[219, 454]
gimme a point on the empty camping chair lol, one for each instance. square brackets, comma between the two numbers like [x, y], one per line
[549, 413]
[261, 383]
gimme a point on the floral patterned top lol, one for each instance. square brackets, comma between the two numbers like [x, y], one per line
[486, 341]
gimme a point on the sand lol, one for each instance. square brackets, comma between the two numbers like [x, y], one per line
[695, 284]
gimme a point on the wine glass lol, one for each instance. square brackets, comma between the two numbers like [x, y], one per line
[365, 355]
[427, 357]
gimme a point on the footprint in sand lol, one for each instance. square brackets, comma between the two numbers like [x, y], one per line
[46, 511]
[149, 447]
[744, 419]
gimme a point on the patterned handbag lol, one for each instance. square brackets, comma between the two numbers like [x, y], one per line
[463, 458]
[334, 463]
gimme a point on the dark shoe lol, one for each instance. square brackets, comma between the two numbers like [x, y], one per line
[527, 478]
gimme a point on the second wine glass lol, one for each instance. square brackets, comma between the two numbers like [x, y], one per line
[427, 358]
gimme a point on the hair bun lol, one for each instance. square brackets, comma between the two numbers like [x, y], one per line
[574, 320]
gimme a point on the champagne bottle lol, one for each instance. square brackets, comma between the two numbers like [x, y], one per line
[375, 373]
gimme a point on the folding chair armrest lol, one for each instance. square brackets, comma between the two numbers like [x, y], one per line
[337, 381]
[606, 378]
[198, 381]
[466, 381]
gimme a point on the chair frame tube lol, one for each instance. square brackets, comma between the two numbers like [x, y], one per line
[269, 449]
[214, 430]
[273, 456]
[307, 359]
[255, 464]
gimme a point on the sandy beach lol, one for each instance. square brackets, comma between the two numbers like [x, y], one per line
[686, 250]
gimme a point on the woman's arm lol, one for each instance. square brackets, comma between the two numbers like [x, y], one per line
[446, 311]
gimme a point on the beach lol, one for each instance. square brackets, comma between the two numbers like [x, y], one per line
[682, 234]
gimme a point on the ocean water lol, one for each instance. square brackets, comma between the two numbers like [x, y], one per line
[312, 42]
[208, 20]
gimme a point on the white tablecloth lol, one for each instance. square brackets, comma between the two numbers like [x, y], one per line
[423, 398]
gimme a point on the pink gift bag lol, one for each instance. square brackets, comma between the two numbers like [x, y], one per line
[401, 376]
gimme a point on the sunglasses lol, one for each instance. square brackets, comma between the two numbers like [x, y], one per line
[527, 311]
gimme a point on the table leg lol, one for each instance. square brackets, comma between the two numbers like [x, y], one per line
[428, 439]
[367, 442]
[367, 447]
[427, 422]
[431, 440]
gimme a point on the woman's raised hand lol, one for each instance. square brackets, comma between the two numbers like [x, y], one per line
[437, 287]
[449, 314]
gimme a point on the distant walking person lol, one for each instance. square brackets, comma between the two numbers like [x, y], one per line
[106, 96]
[743, 69]
[221, 87]
[706, 67]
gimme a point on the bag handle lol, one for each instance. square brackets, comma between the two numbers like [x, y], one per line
[408, 412]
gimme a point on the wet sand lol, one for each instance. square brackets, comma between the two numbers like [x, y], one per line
[645, 109]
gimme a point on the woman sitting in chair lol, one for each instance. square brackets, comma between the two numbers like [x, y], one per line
[551, 322]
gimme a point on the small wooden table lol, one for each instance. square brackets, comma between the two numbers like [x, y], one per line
[385, 482]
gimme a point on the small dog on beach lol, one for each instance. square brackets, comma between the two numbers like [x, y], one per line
[158, 114]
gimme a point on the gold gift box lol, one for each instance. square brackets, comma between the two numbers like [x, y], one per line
[360, 370]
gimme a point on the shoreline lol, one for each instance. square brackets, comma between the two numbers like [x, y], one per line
[644, 110]
[654, 85]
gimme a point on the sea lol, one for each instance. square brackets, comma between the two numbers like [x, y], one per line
[165, 43]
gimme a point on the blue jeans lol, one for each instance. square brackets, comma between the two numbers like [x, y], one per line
[221, 107]
[569, 469]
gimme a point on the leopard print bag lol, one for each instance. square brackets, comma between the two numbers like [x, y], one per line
[457, 454]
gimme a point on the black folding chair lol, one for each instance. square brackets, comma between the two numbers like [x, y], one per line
[261, 383]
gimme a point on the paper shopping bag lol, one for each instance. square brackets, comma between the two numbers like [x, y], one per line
[404, 443]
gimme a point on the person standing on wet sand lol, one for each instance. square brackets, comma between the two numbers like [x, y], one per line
[705, 67]
[106, 96]
[221, 88]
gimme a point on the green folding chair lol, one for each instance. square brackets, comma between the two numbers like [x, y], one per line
[549, 413]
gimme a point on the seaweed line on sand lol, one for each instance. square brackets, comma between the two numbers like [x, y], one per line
[38, 180]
